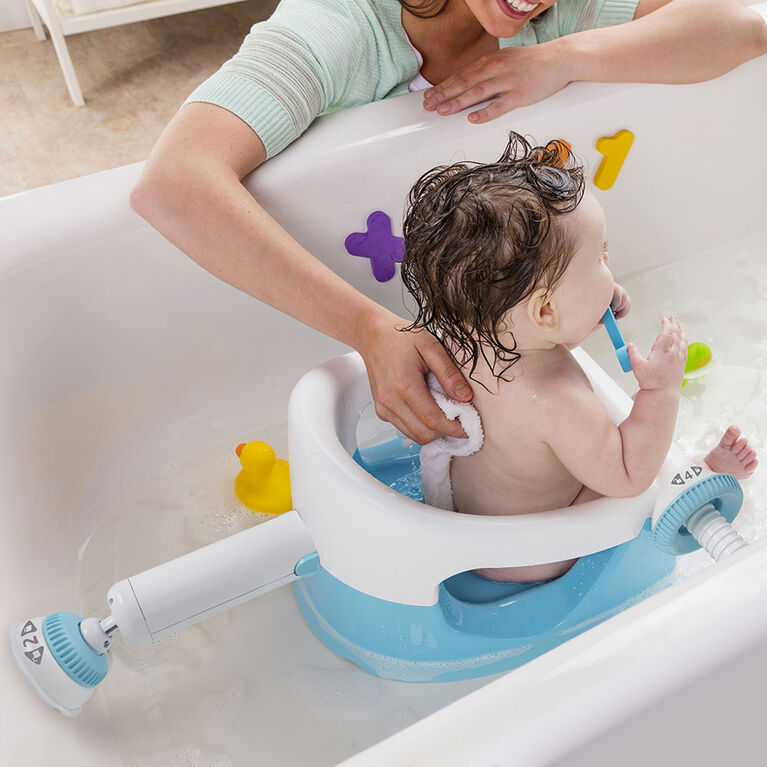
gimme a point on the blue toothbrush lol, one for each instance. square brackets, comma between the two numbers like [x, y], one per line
[608, 319]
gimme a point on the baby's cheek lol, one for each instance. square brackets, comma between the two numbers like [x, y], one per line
[609, 290]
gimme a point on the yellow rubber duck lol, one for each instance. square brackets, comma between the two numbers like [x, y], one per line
[264, 483]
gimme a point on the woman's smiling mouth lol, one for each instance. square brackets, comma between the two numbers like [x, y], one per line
[517, 9]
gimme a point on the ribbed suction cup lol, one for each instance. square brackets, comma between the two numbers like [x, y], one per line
[62, 634]
[58, 662]
[721, 491]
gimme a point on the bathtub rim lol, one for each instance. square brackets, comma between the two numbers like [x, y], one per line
[110, 215]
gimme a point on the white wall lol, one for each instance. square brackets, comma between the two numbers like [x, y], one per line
[13, 15]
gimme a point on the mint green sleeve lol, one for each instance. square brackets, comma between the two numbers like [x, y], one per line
[289, 69]
[578, 15]
[568, 16]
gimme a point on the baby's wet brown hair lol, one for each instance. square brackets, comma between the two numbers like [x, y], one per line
[479, 238]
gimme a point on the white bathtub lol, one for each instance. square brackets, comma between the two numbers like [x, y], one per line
[130, 374]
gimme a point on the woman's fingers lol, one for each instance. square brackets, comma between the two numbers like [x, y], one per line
[437, 360]
[450, 378]
[499, 107]
[397, 363]
[418, 397]
[482, 88]
[488, 77]
[453, 86]
[408, 423]
[435, 422]
[482, 91]
[412, 409]
[514, 77]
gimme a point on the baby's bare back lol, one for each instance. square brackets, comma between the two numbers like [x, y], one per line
[516, 472]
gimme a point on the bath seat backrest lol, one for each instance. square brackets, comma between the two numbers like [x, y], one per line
[390, 546]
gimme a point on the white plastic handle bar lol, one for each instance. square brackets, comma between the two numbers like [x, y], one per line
[186, 590]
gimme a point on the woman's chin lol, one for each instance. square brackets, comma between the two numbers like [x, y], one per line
[507, 21]
[504, 28]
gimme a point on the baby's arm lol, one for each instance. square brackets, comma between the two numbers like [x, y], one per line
[623, 460]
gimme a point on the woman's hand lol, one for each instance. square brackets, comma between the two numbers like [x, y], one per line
[514, 77]
[397, 363]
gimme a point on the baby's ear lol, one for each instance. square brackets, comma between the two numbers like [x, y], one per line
[542, 310]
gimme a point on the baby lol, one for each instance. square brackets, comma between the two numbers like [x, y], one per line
[508, 265]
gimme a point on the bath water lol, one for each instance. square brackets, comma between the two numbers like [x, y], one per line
[721, 299]
[253, 685]
[249, 686]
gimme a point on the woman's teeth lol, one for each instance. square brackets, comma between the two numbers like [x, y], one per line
[522, 6]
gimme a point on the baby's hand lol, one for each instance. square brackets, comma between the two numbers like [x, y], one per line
[621, 303]
[664, 368]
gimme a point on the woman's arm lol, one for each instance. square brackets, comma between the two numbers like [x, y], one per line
[684, 41]
[191, 192]
[680, 41]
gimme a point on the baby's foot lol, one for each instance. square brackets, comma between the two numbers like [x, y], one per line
[733, 455]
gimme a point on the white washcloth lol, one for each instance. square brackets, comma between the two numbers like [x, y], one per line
[436, 456]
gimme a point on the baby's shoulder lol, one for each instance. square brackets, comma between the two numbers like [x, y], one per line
[554, 371]
[548, 388]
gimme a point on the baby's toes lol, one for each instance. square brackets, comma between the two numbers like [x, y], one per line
[750, 467]
[739, 446]
[730, 437]
[747, 456]
[744, 449]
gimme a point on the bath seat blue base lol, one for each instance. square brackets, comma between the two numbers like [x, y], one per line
[478, 627]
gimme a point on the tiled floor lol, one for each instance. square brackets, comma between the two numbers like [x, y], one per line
[133, 77]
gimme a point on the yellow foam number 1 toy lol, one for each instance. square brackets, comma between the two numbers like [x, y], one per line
[614, 148]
